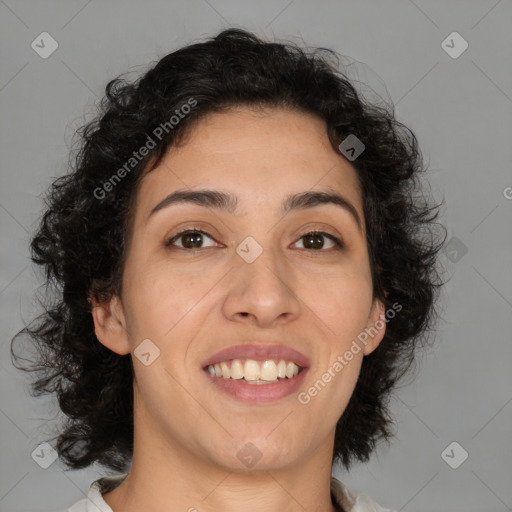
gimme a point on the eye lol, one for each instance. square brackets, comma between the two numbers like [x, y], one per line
[190, 238]
[194, 239]
[313, 241]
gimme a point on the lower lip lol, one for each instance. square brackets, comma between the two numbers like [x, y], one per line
[254, 393]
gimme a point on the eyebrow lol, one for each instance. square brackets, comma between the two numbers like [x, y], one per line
[229, 203]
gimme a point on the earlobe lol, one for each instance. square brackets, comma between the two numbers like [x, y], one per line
[376, 327]
[110, 325]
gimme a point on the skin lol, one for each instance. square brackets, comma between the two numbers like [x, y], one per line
[192, 304]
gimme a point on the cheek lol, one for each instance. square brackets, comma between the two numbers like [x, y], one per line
[341, 301]
[160, 301]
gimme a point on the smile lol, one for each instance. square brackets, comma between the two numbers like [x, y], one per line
[252, 371]
[256, 373]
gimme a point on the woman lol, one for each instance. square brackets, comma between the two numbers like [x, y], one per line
[246, 268]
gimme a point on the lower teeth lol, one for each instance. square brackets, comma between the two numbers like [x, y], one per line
[260, 381]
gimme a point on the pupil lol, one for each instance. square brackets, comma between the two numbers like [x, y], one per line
[318, 245]
[193, 236]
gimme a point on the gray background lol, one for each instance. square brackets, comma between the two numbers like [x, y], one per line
[461, 111]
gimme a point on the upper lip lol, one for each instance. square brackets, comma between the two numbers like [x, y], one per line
[258, 352]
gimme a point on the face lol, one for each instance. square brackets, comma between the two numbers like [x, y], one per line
[257, 282]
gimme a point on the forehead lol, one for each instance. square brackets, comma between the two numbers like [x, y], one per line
[255, 154]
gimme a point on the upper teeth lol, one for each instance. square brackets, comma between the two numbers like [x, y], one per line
[253, 370]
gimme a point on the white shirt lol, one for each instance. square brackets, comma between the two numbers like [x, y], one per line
[94, 501]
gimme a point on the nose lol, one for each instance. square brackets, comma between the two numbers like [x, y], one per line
[262, 293]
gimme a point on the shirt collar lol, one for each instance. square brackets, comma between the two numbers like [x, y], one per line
[341, 495]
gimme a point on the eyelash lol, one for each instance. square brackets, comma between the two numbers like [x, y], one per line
[339, 244]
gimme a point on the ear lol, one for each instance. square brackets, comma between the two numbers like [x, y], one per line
[110, 325]
[376, 326]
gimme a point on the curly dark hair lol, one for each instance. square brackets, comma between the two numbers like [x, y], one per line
[83, 236]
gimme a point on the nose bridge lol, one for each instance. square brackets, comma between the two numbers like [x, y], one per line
[267, 266]
[264, 269]
[263, 283]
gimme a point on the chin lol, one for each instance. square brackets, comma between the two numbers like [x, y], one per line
[260, 453]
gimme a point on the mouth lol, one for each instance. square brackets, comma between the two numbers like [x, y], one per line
[256, 373]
